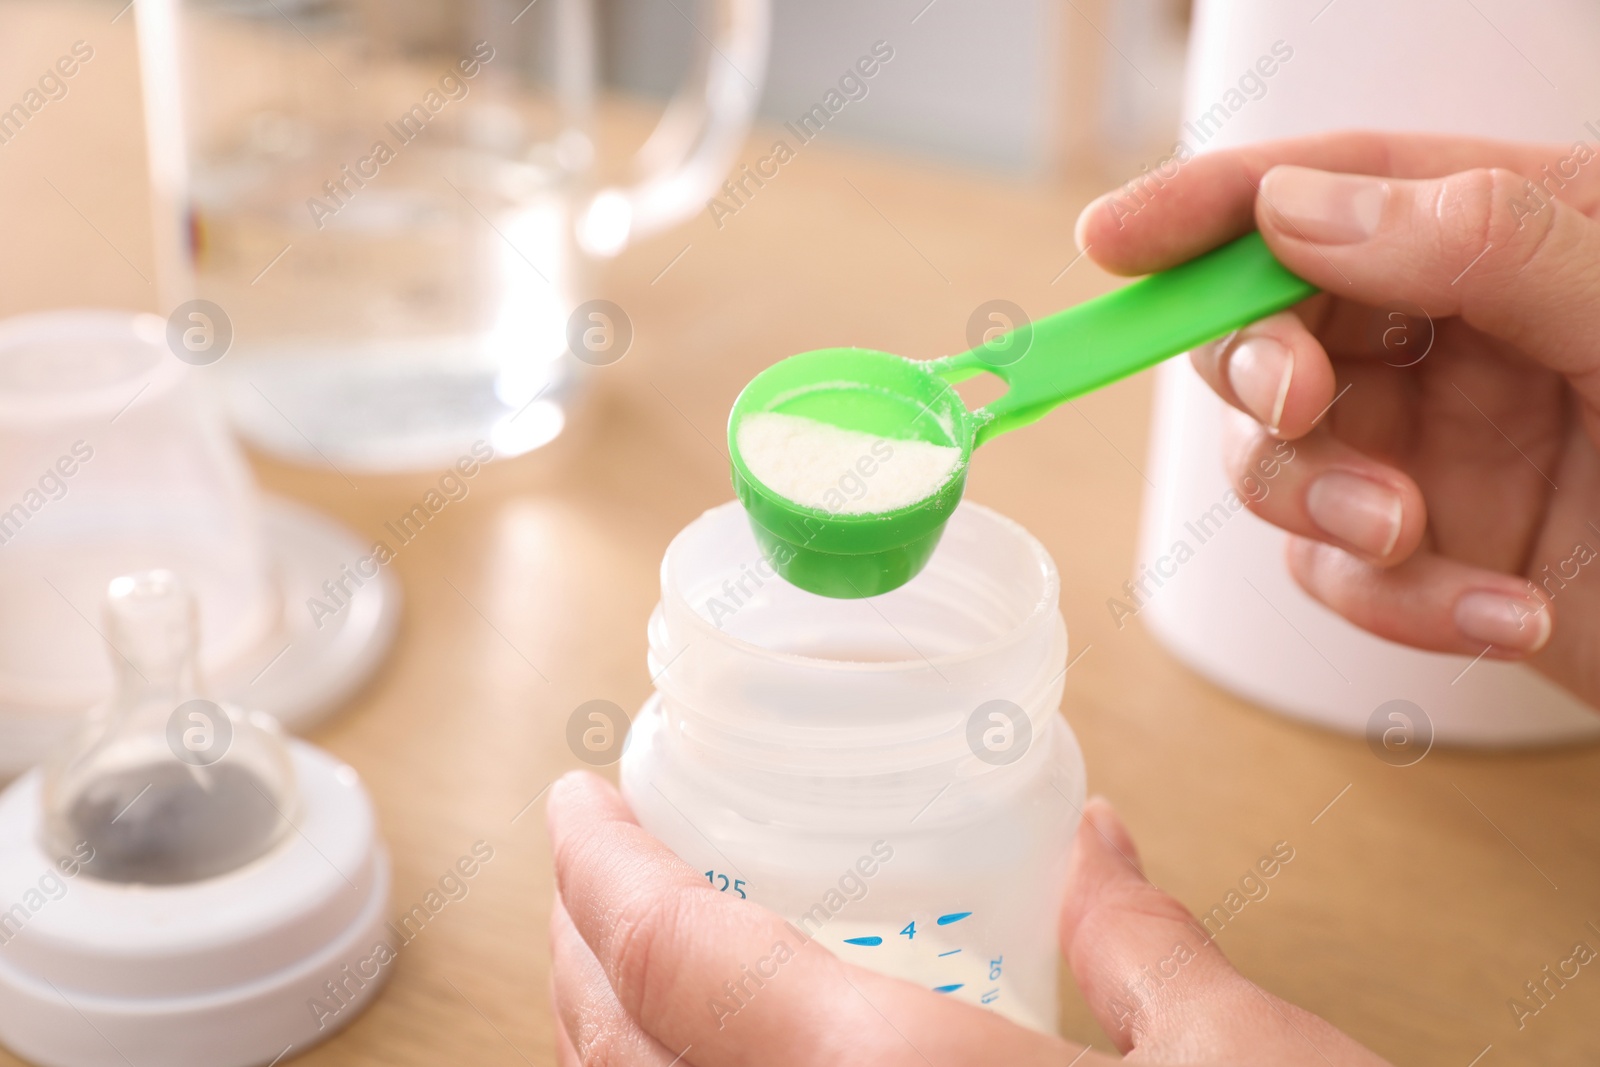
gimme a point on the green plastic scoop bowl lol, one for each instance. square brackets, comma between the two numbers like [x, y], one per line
[1045, 364]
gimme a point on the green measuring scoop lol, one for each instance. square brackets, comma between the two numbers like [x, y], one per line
[1045, 364]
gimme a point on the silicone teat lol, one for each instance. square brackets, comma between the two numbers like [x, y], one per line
[1044, 364]
[160, 785]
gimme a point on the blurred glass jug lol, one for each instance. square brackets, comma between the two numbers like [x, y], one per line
[386, 213]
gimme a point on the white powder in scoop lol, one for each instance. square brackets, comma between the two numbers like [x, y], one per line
[845, 472]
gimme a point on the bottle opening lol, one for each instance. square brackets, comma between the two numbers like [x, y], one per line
[775, 680]
[990, 583]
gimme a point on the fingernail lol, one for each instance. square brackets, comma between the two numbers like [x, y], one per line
[1360, 512]
[1260, 369]
[1098, 810]
[1082, 224]
[1325, 208]
[564, 787]
[1507, 622]
[1110, 830]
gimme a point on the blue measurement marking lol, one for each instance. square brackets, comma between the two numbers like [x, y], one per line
[953, 917]
[948, 988]
[868, 941]
[952, 952]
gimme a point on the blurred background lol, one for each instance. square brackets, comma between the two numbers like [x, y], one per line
[1019, 87]
[1025, 89]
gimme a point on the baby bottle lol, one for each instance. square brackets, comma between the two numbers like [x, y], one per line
[890, 775]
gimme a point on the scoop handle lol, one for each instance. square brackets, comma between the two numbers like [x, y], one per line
[1100, 341]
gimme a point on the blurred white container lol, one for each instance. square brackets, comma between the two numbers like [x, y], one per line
[893, 777]
[1490, 68]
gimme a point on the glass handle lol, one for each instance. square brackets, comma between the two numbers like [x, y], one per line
[693, 147]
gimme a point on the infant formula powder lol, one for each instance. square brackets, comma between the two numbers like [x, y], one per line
[845, 472]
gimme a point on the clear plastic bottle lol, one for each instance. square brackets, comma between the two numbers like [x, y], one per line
[161, 784]
[891, 775]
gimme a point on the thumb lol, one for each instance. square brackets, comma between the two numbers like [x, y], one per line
[1154, 979]
[1488, 245]
[1138, 955]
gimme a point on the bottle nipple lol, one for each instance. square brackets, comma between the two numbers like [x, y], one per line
[160, 785]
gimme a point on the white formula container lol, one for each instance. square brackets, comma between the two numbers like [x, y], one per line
[890, 775]
[1491, 68]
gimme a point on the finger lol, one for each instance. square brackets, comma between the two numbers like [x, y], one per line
[1115, 924]
[665, 941]
[734, 982]
[1321, 488]
[1274, 371]
[1477, 244]
[1428, 602]
[1155, 980]
[566, 1052]
[1186, 206]
[592, 1021]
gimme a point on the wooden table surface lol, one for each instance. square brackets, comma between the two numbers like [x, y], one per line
[1409, 915]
